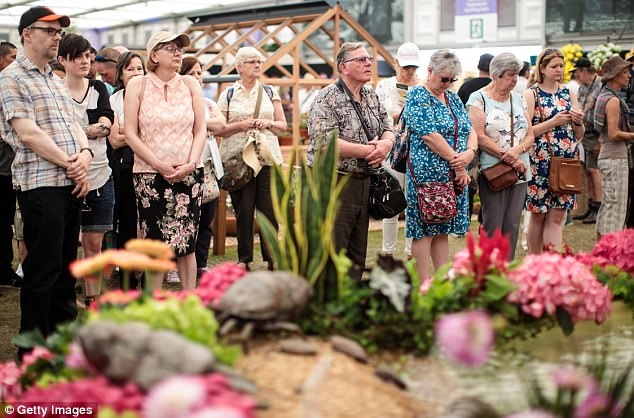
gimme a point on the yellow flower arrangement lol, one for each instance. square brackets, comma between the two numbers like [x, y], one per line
[571, 52]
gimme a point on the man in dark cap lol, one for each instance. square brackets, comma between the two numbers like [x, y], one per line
[478, 82]
[589, 89]
[629, 100]
[49, 170]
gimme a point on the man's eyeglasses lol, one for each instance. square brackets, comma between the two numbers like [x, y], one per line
[50, 31]
[173, 49]
[253, 62]
[101, 58]
[448, 79]
[361, 60]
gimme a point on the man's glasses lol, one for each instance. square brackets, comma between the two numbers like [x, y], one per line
[448, 79]
[361, 60]
[50, 31]
[253, 62]
[101, 58]
[173, 49]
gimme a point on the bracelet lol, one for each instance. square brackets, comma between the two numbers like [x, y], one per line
[475, 150]
[522, 148]
[92, 154]
[578, 124]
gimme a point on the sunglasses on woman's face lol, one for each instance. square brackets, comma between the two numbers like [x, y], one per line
[448, 79]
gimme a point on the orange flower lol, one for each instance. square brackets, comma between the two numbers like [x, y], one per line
[118, 297]
[129, 260]
[90, 266]
[151, 247]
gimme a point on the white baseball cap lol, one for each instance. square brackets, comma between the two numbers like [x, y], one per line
[408, 54]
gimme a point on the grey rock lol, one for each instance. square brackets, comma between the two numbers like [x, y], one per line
[349, 347]
[297, 346]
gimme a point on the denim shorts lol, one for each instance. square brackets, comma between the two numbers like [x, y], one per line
[97, 209]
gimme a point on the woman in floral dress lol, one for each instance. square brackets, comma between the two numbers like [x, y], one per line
[556, 119]
[165, 127]
[433, 112]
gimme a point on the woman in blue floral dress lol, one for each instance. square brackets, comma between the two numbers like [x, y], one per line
[433, 113]
[557, 120]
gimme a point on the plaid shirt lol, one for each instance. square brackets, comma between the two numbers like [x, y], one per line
[43, 98]
[332, 111]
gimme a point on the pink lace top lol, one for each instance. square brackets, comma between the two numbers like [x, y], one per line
[166, 121]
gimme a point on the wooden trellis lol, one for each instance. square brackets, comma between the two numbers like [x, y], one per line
[217, 37]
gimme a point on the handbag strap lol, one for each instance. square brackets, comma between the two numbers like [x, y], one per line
[357, 108]
[512, 120]
[258, 102]
[538, 106]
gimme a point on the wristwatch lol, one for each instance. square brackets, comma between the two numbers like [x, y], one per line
[92, 154]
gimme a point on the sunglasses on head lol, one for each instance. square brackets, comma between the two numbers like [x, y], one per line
[101, 58]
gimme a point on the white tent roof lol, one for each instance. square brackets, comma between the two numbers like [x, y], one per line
[96, 14]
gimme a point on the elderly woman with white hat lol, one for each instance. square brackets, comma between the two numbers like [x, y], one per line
[165, 127]
[611, 120]
[239, 104]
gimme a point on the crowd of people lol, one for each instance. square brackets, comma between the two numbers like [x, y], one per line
[125, 153]
[509, 115]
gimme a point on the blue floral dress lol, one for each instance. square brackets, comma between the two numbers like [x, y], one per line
[563, 144]
[425, 114]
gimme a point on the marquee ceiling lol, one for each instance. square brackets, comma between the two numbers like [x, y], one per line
[95, 14]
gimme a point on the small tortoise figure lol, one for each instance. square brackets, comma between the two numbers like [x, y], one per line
[265, 299]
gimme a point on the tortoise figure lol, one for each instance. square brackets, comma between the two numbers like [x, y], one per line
[265, 299]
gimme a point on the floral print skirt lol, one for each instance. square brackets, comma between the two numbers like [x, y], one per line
[169, 212]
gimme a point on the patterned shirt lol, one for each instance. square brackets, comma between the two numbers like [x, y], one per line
[332, 110]
[28, 93]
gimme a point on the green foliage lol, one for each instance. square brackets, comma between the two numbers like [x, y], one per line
[305, 204]
[620, 283]
[369, 317]
[187, 317]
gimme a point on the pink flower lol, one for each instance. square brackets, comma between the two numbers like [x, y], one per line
[10, 387]
[618, 248]
[215, 282]
[425, 285]
[574, 379]
[76, 359]
[549, 281]
[594, 405]
[174, 397]
[532, 414]
[37, 353]
[466, 337]
[219, 412]
[488, 255]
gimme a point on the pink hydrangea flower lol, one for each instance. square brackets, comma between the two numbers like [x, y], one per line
[618, 248]
[37, 353]
[10, 387]
[549, 280]
[466, 337]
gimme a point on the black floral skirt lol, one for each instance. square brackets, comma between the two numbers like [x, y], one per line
[169, 212]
